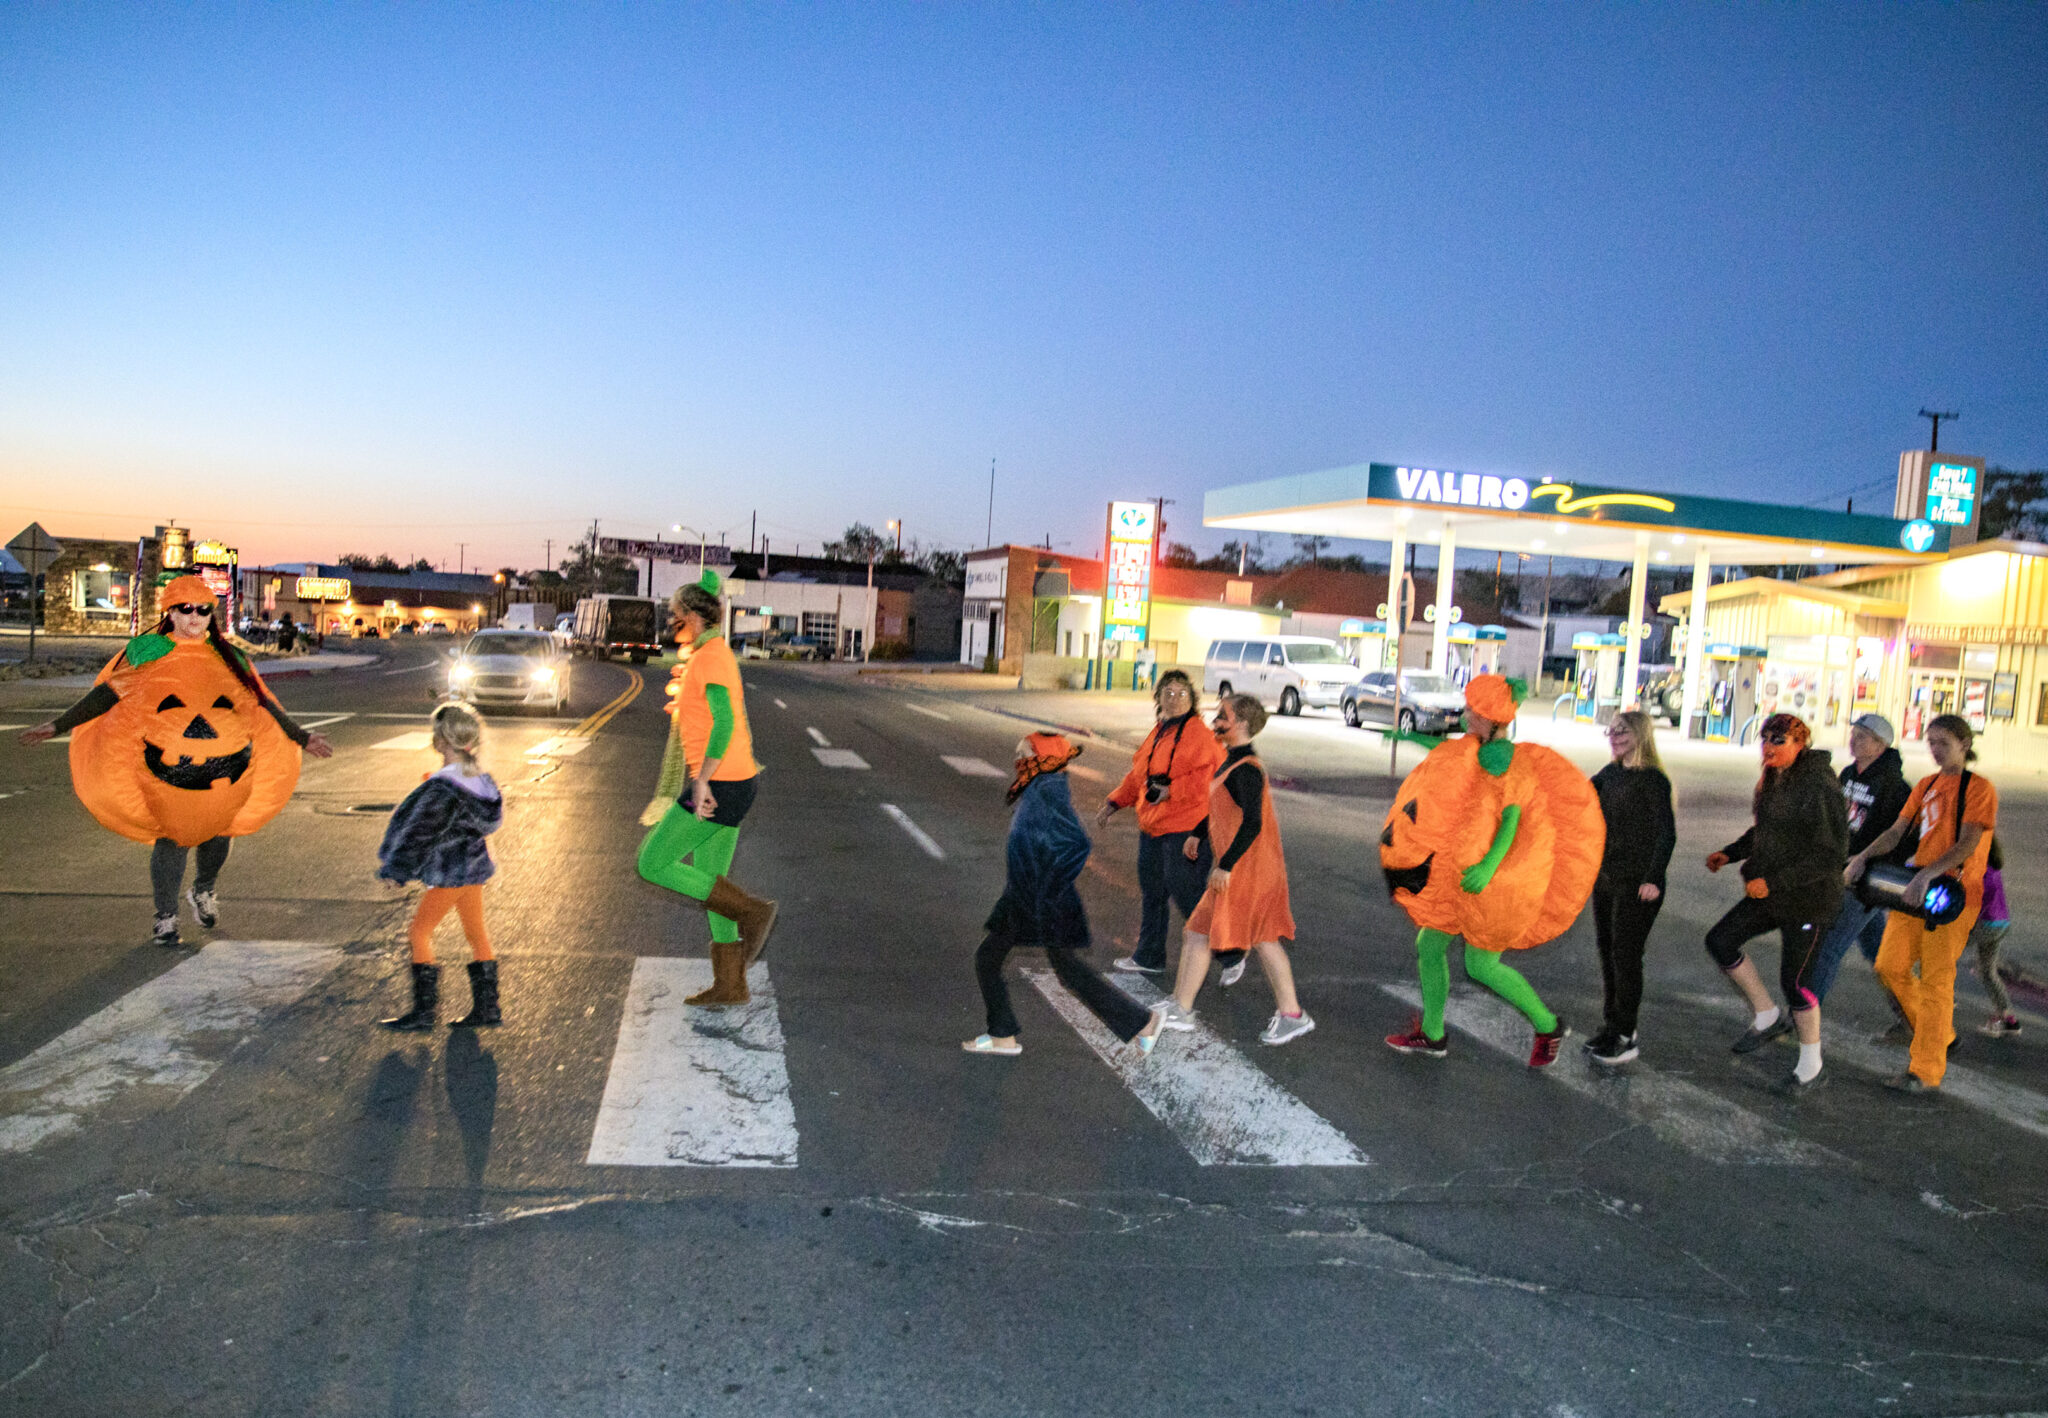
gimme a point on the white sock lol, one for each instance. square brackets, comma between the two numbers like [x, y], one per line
[1809, 1063]
[1765, 1019]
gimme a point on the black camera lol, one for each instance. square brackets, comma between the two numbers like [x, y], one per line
[1158, 787]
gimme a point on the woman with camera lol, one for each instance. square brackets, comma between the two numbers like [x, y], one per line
[1169, 785]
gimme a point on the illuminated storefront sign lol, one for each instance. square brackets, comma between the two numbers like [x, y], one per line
[1133, 532]
[1951, 494]
[1513, 494]
[323, 588]
[1917, 535]
[214, 554]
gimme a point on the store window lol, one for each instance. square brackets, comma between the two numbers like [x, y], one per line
[824, 625]
[100, 590]
[1934, 685]
[2041, 707]
[1980, 662]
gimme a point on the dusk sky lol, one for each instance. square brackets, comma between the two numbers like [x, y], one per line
[339, 278]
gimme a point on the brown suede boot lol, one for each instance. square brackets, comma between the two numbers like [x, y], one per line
[728, 976]
[754, 917]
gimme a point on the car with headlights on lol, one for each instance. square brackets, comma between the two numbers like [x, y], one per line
[526, 668]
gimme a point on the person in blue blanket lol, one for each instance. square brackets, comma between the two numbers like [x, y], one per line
[436, 837]
[1039, 906]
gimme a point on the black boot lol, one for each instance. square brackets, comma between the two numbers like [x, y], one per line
[483, 997]
[426, 994]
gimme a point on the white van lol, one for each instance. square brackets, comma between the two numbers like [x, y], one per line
[527, 615]
[1285, 672]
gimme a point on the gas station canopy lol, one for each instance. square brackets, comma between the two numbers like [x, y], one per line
[1386, 502]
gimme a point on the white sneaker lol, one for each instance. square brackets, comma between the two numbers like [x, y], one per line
[205, 906]
[1282, 1029]
[1232, 974]
[1130, 962]
[1172, 1016]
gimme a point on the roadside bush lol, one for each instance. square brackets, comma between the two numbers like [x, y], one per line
[890, 650]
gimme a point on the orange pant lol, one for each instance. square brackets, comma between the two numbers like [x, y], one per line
[1929, 1002]
[468, 904]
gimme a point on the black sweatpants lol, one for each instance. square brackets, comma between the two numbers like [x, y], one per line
[167, 870]
[1621, 925]
[1125, 1017]
[1749, 918]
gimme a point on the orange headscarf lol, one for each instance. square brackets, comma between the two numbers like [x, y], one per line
[1040, 753]
[1491, 697]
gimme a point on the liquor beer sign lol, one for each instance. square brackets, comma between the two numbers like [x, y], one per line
[1133, 545]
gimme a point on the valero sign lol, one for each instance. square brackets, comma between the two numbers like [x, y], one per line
[1133, 541]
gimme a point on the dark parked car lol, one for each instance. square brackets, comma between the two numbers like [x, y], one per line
[1430, 703]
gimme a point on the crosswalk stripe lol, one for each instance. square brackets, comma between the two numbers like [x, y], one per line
[839, 758]
[149, 1037]
[917, 834]
[1680, 1113]
[1224, 1111]
[693, 1087]
[2024, 1108]
[411, 740]
[818, 738]
[928, 713]
[971, 767]
[559, 746]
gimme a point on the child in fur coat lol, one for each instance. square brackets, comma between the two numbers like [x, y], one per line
[436, 837]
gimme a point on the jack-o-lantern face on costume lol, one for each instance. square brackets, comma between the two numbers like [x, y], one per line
[188, 754]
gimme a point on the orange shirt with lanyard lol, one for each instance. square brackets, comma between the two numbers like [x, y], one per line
[1933, 806]
[712, 666]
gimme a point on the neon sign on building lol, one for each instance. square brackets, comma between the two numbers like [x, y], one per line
[1951, 494]
[1127, 602]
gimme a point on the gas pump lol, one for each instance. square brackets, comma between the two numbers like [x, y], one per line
[1732, 675]
[1489, 643]
[1599, 677]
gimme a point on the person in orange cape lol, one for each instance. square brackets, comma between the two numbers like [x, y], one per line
[1246, 906]
[180, 744]
[1496, 842]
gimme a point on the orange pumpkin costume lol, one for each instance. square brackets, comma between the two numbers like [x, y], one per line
[1253, 909]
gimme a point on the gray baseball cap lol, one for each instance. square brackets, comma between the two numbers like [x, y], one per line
[1877, 726]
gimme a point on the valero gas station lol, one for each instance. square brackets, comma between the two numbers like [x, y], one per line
[1909, 616]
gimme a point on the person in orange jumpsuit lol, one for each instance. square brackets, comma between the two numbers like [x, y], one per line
[1246, 905]
[1957, 811]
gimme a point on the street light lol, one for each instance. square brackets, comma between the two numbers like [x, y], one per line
[896, 526]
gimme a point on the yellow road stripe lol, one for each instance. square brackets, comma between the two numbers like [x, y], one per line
[589, 727]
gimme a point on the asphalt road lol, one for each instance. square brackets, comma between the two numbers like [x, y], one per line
[246, 1199]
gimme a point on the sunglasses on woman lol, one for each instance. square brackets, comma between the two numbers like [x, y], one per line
[1777, 738]
[187, 608]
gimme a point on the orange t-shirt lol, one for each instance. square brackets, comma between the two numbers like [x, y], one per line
[1933, 803]
[713, 663]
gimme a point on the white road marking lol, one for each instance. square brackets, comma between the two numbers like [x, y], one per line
[839, 758]
[1224, 1111]
[323, 720]
[157, 1042]
[819, 739]
[917, 834]
[1093, 775]
[414, 669]
[559, 746]
[693, 1087]
[971, 767]
[410, 741]
[1680, 1113]
[928, 713]
[13, 728]
[2024, 1108]
[780, 705]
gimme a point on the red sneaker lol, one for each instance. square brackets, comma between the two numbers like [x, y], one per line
[1414, 1041]
[1543, 1053]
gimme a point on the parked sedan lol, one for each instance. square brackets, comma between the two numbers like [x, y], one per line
[511, 667]
[1430, 703]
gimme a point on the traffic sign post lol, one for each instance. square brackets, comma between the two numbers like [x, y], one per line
[37, 551]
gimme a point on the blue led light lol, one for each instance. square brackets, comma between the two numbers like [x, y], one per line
[1936, 901]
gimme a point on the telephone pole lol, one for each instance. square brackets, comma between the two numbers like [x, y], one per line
[1934, 435]
[988, 537]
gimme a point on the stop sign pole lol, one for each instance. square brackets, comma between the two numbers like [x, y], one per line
[37, 551]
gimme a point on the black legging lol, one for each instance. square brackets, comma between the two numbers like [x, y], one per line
[1621, 925]
[167, 870]
[1749, 918]
[1125, 1017]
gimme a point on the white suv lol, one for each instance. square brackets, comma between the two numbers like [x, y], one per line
[1285, 672]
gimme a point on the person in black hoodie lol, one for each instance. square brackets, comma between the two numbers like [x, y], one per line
[1635, 800]
[1874, 789]
[1792, 860]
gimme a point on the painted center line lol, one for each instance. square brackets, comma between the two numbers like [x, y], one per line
[695, 1087]
[819, 739]
[1224, 1111]
[839, 758]
[928, 713]
[917, 834]
[159, 1041]
[1680, 1113]
[410, 741]
[971, 767]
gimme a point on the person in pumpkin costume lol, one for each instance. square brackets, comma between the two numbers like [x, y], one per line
[1246, 906]
[1496, 842]
[180, 744]
[691, 848]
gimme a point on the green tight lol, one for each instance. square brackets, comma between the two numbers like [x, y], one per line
[1485, 967]
[679, 834]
